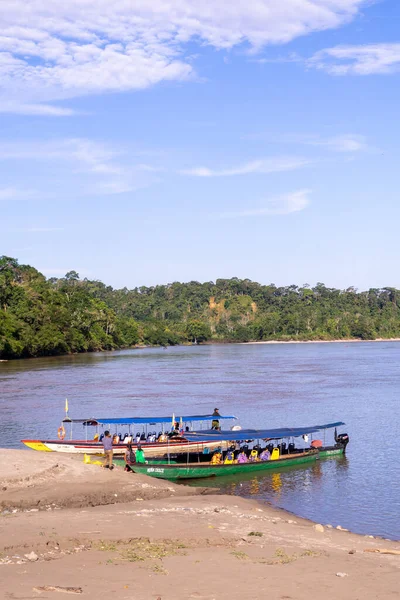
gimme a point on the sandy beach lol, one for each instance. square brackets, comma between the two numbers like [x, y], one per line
[71, 528]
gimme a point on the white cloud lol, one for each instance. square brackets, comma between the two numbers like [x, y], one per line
[75, 48]
[281, 205]
[369, 59]
[264, 165]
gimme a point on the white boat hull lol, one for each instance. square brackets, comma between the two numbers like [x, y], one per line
[95, 448]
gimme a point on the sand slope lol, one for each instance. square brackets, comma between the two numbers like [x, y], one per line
[181, 547]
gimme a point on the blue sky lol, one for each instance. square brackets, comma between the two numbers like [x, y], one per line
[180, 141]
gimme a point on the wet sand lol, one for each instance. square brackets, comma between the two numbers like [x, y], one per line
[64, 524]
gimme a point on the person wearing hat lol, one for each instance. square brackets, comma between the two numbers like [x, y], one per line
[215, 422]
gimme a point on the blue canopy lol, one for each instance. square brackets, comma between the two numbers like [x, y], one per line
[253, 434]
[150, 420]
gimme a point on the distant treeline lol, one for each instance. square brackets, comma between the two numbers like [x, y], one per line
[40, 316]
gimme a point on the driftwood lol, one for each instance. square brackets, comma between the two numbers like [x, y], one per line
[382, 551]
[58, 588]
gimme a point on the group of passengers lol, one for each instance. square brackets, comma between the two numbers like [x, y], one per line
[140, 438]
[241, 456]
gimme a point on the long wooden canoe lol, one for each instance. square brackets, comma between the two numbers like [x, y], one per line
[201, 470]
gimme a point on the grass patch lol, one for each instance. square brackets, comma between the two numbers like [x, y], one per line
[106, 546]
[142, 549]
[310, 553]
[256, 533]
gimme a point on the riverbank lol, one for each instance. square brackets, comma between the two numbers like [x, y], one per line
[169, 542]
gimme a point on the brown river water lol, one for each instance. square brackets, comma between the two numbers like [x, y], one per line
[275, 385]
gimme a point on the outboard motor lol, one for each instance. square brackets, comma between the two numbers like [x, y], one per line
[342, 439]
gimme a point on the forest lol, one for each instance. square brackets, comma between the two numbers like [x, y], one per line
[43, 317]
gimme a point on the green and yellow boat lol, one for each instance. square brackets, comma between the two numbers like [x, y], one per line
[281, 454]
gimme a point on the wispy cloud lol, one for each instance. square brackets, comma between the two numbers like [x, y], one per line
[111, 168]
[280, 205]
[37, 229]
[346, 142]
[264, 165]
[370, 59]
[13, 193]
[53, 50]
[48, 110]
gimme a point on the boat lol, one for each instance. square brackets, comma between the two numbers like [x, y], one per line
[174, 442]
[282, 455]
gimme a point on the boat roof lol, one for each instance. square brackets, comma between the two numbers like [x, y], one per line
[252, 434]
[149, 420]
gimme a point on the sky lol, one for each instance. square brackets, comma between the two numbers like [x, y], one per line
[143, 143]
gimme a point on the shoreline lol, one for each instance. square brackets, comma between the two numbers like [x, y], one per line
[208, 343]
[137, 537]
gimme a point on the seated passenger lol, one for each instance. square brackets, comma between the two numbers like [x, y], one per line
[216, 458]
[242, 458]
[130, 457]
[140, 458]
[254, 455]
[229, 458]
[265, 454]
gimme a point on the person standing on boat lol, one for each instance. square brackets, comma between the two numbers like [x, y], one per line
[108, 450]
[215, 422]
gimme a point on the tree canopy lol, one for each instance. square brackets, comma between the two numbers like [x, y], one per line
[40, 316]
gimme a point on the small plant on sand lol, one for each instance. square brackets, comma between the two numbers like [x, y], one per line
[159, 569]
[283, 558]
[239, 555]
[256, 533]
[310, 553]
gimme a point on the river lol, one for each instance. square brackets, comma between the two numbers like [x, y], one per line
[264, 385]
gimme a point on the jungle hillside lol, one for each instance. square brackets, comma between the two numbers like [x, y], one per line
[42, 317]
